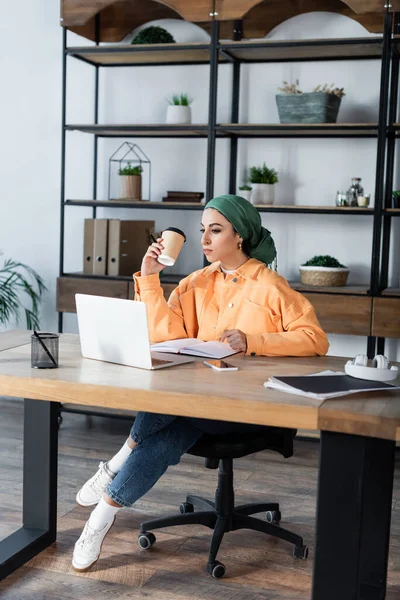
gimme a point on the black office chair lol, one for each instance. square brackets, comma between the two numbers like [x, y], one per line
[222, 516]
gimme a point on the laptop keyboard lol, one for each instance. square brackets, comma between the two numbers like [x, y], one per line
[156, 362]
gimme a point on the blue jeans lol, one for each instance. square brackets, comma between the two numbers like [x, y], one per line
[161, 441]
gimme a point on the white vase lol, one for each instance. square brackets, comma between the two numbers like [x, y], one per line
[263, 193]
[179, 115]
[246, 194]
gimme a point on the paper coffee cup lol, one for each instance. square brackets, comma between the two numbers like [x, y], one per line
[173, 240]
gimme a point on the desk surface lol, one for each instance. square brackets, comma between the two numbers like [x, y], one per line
[195, 390]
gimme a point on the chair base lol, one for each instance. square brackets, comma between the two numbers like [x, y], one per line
[222, 516]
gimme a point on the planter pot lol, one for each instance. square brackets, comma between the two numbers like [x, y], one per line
[263, 193]
[327, 276]
[246, 194]
[130, 187]
[315, 107]
[179, 115]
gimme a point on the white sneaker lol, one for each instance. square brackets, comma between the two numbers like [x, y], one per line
[87, 549]
[91, 491]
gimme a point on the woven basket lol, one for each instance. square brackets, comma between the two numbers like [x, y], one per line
[324, 276]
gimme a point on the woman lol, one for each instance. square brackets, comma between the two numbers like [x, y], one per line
[236, 299]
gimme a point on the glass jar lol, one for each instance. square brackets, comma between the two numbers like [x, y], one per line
[341, 198]
[354, 191]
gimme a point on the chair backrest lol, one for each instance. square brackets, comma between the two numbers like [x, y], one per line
[236, 445]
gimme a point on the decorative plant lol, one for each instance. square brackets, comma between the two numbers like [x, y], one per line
[246, 188]
[180, 100]
[15, 278]
[396, 196]
[153, 35]
[129, 170]
[324, 261]
[263, 175]
[291, 88]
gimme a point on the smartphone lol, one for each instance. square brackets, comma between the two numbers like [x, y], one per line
[220, 365]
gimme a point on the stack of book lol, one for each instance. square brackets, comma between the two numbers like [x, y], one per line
[183, 197]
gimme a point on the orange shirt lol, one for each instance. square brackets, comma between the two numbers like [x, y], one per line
[277, 320]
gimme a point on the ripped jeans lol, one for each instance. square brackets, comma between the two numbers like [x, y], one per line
[161, 441]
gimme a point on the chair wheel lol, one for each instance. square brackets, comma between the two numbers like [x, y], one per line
[216, 569]
[273, 516]
[300, 552]
[186, 507]
[146, 539]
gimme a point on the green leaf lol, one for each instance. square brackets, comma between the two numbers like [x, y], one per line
[263, 175]
[19, 282]
[323, 261]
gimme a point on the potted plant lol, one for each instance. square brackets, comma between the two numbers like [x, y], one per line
[319, 106]
[263, 182]
[17, 278]
[396, 198]
[131, 182]
[153, 35]
[324, 270]
[245, 192]
[179, 111]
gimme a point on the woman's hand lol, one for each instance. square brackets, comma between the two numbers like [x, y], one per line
[150, 264]
[236, 339]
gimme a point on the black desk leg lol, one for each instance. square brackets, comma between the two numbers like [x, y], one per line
[39, 488]
[353, 517]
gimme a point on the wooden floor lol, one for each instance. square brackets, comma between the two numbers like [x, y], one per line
[258, 568]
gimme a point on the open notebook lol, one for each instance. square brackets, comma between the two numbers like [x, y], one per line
[195, 347]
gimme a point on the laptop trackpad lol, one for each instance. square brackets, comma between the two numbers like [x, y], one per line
[169, 358]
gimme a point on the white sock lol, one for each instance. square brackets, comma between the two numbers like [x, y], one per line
[115, 463]
[102, 514]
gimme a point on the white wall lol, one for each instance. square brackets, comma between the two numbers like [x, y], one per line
[310, 170]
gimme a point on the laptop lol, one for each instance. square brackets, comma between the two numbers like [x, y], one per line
[115, 330]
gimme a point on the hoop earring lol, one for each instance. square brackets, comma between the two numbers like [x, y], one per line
[240, 245]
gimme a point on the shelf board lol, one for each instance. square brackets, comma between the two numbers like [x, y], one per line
[156, 130]
[238, 129]
[391, 291]
[168, 278]
[357, 290]
[137, 204]
[275, 208]
[123, 55]
[299, 129]
[302, 50]
[299, 209]
[395, 212]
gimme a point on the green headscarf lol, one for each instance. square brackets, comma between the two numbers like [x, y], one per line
[246, 220]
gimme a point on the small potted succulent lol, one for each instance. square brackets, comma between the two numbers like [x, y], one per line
[245, 191]
[319, 106]
[153, 35]
[263, 182]
[179, 111]
[130, 182]
[325, 271]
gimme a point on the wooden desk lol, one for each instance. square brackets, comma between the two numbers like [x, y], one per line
[357, 446]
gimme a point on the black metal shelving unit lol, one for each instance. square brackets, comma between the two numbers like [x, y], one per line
[219, 53]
